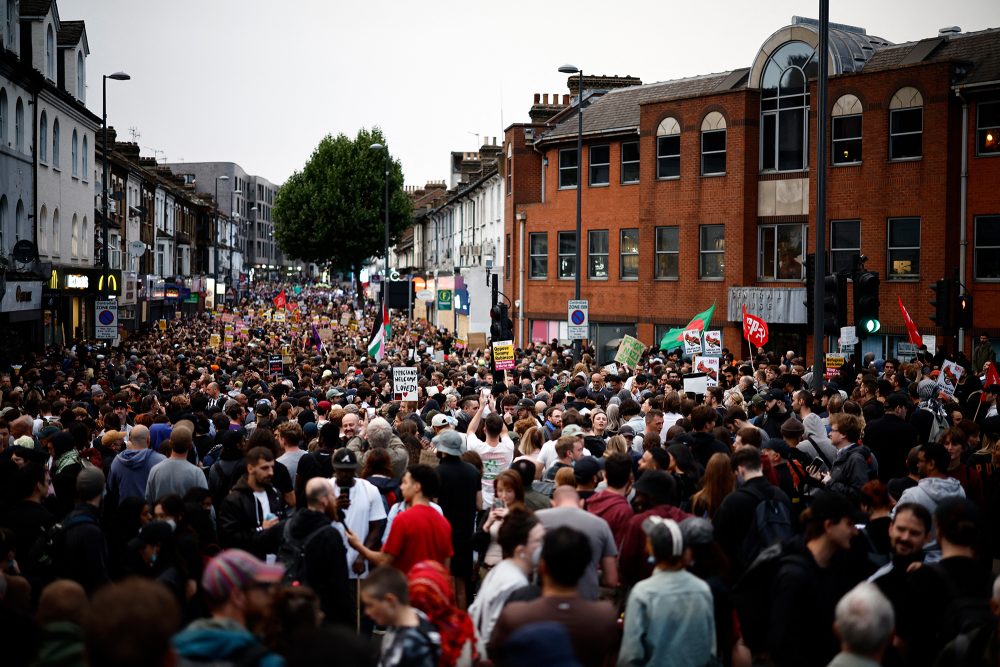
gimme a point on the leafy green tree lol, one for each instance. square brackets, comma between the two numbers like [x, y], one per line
[333, 210]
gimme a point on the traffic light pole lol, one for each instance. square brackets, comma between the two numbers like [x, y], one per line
[819, 295]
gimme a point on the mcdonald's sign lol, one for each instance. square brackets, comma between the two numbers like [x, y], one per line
[97, 282]
[109, 281]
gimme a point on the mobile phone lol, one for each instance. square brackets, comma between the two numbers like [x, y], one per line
[371, 413]
[486, 391]
[498, 504]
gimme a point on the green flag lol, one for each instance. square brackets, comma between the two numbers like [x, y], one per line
[701, 321]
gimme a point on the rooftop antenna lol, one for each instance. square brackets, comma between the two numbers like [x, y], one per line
[134, 131]
[477, 137]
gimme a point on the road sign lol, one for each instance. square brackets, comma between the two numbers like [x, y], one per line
[106, 320]
[578, 319]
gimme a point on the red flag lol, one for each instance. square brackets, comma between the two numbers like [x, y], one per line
[992, 378]
[754, 329]
[911, 328]
[280, 300]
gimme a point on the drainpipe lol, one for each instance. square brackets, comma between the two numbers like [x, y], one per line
[522, 218]
[963, 242]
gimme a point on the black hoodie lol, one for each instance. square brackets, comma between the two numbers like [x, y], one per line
[326, 565]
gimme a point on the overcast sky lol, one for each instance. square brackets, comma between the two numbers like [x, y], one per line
[260, 83]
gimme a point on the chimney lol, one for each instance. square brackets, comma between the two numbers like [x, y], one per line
[541, 112]
[489, 152]
[601, 84]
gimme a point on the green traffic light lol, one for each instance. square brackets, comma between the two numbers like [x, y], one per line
[871, 326]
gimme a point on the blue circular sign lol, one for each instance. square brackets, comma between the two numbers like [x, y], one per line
[106, 317]
[577, 317]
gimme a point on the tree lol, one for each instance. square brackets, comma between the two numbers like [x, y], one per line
[333, 210]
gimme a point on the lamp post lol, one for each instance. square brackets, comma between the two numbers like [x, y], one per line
[117, 76]
[572, 69]
[215, 241]
[385, 273]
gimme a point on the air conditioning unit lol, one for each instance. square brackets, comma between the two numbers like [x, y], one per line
[475, 250]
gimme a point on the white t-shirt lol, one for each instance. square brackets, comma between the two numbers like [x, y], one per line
[366, 506]
[495, 460]
[547, 455]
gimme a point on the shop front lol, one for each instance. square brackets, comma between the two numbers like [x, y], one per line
[20, 318]
[68, 301]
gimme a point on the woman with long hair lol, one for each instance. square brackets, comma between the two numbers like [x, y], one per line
[431, 592]
[509, 494]
[955, 441]
[530, 446]
[599, 422]
[718, 482]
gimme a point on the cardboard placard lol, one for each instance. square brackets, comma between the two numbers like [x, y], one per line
[951, 373]
[692, 342]
[404, 383]
[477, 340]
[696, 383]
[503, 355]
[710, 367]
[713, 343]
[629, 351]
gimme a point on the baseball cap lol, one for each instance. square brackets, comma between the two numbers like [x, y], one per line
[572, 430]
[526, 404]
[664, 535]
[327, 373]
[154, 532]
[775, 395]
[586, 468]
[449, 442]
[324, 405]
[333, 393]
[440, 420]
[235, 568]
[345, 459]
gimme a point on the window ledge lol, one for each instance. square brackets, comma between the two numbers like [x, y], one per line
[600, 185]
[711, 279]
[567, 187]
[668, 178]
[714, 175]
[629, 279]
[56, 168]
[846, 164]
[993, 154]
[668, 278]
[602, 279]
[905, 159]
[538, 278]
[567, 278]
[628, 183]
[903, 279]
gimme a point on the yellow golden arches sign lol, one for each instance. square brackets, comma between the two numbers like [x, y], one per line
[54, 280]
[112, 281]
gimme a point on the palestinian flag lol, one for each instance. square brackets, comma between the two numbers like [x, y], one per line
[381, 331]
[673, 338]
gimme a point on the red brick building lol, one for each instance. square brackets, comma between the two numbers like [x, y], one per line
[702, 190]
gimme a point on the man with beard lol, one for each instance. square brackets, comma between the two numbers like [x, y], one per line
[908, 533]
[237, 588]
[250, 515]
[776, 413]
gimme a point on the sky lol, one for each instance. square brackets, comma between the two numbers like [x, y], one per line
[260, 83]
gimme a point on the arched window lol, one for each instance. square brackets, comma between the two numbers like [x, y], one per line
[3, 221]
[73, 151]
[74, 238]
[4, 118]
[43, 138]
[713, 144]
[906, 124]
[56, 238]
[85, 169]
[668, 149]
[50, 54]
[21, 229]
[784, 107]
[19, 125]
[55, 143]
[84, 243]
[81, 77]
[43, 229]
[846, 147]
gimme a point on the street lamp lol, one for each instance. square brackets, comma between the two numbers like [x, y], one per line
[572, 69]
[117, 76]
[215, 241]
[385, 274]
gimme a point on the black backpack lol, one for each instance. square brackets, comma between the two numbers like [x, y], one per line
[292, 554]
[753, 593]
[46, 556]
[771, 524]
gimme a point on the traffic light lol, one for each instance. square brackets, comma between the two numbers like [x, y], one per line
[506, 324]
[866, 303]
[942, 303]
[496, 328]
[963, 311]
[834, 304]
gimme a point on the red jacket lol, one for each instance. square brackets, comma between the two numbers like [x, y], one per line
[633, 562]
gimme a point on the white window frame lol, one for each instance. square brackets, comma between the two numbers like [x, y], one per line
[847, 107]
[564, 256]
[992, 249]
[564, 170]
[713, 125]
[630, 163]
[658, 252]
[605, 166]
[703, 253]
[592, 254]
[669, 128]
[772, 273]
[906, 100]
[890, 249]
[981, 129]
[623, 255]
[834, 251]
[543, 256]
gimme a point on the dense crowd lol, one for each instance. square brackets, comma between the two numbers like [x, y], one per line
[180, 498]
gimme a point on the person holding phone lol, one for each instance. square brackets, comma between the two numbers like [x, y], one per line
[509, 490]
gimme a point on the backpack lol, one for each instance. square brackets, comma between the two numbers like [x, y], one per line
[771, 524]
[292, 554]
[45, 557]
[752, 594]
[870, 461]
[939, 423]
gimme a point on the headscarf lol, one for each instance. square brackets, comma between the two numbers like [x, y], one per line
[431, 593]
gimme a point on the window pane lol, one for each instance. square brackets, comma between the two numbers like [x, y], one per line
[630, 151]
[668, 163]
[712, 265]
[713, 163]
[600, 174]
[790, 252]
[845, 234]
[987, 264]
[630, 266]
[567, 158]
[539, 244]
[768, 138]
[630, 241]
[567, 266]
[713, 238]
[842, 260]
[598, 242]
[904, 263]
[666, 265]
[539, 268]
[790, 139]
[668, 167]
[847, 127]
[987, 254]
[847, 151]
[988, 231]
[666, 238]
[713, 141]
[905, 146]
[598, 266]
[567, 243]
[906, 120]
[904, 233]
[600, 154]
[630, 172]
[766, 251]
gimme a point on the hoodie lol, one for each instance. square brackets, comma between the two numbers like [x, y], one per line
[221, 641]
[130, 470]
[613, 508]
[931, 492]
[158, 434]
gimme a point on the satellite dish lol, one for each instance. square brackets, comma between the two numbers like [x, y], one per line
[136, 248]
[24, 252]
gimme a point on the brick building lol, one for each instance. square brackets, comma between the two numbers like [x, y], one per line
[702, 190]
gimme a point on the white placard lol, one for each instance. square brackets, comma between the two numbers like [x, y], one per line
[692, 342]
[697, 384]
[930, 342]
[404, 383]
[713, 343]
[106, 319]
[951, 373]
[848, 335]
[710, 367]
[611, 368]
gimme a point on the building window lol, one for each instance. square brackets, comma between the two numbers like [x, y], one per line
[988, 128]
[56, 238]
[712, 250]
[628, 252]
[567, 254]
[4, 118]
[780, 255]
[3, 221]
[508, 171]
[50, 54]
[845, 244]
[597, 253]
[11, 26]
[906, 124]
[74, 239]
[846, 146]
[713, 144]
[55, 143]
[506, 257]
[43, 138]
[85, 158]
[73, 151]
[538, 255]
[668, 149]
[667, 251]
[630, 162]
[21, 228]
[784, 107]
[987, 256]
[81, 78]
[600, 165]
[904, 248]
[19, 125]
[568, 163]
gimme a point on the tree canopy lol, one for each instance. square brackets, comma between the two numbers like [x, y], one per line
[333, 210]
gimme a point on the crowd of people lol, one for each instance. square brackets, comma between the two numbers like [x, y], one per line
[177, 498]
